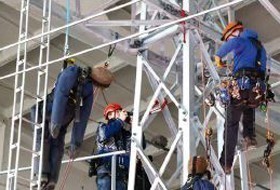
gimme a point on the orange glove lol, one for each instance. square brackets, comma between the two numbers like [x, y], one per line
[219, 62]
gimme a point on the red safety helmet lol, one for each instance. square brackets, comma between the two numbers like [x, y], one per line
[111, 108]
[230, 28]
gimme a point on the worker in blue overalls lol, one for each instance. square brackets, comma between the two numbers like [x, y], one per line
[113, 136]
[71, 99]
[249, 69]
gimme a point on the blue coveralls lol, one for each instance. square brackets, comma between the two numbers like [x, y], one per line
[112, 137]
[60, 111]
[197, 183]
[245, 54]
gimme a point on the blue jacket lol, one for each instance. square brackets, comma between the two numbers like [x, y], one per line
[245, 52]
[113, 137]
[197, 183]
[62, 111]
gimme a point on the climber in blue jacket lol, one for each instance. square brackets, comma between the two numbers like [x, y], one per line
[70, 100]
[249, 69]
[244, 50]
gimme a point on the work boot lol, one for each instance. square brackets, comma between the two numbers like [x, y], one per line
[249, 143]
[44, 182]
[227, 170]
[50, 186]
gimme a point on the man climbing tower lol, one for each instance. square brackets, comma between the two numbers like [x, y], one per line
[71, 99]
[246, 89]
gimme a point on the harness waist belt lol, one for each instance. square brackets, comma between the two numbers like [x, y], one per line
[251, 73]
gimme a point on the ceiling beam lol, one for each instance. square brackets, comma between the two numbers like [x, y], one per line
[79, 32]
[273, 47]
[271, 9]
[107, 23]
[83, 33]
[10, 54]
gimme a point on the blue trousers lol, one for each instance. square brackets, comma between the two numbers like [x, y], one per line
[104, 183]
[53, 148]
[103, 179]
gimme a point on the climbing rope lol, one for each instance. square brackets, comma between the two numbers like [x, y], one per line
[104, 97]
[66, 45]
[208, 137]
[269, 135]
[66, 174]
[249, 173]
[95, 94]
[267, 152]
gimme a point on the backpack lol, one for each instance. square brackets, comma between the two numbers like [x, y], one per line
[197, 183]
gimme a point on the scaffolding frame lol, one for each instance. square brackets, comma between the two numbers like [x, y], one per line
[42, 77]
[187, 118]
[15, 142]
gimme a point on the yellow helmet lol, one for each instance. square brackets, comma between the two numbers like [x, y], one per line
[70, 60]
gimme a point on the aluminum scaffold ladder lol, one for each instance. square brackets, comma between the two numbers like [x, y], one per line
[17, 115]
[41, 93]
[41, 97]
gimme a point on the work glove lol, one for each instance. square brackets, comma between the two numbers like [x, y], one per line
[220, 64]
[92, 168]
[122, 115]
[73, 151]
[54, 130]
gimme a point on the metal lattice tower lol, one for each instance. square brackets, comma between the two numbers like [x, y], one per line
[183, 141]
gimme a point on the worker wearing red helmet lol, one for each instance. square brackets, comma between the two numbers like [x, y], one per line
[248, 71]
[113, 136]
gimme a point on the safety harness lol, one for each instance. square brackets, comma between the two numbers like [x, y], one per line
[104, 163]
[75, 99]
[83, 77]
[248, 85]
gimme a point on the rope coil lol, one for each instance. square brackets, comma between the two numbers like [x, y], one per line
[267, 152]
